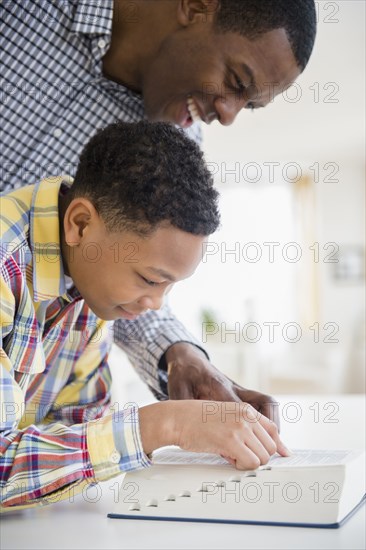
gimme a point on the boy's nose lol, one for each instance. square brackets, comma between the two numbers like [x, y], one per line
[151, 302]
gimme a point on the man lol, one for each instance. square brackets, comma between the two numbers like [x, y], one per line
[71, 66]
[66, 265]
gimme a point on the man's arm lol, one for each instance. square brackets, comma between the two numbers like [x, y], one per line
[174, 365]
[191, 375]
[146, 341]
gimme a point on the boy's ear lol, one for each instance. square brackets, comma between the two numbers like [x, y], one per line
[77, 219]
[197, 11]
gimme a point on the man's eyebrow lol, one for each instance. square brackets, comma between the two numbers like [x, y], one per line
[249, 73]
[162, 273]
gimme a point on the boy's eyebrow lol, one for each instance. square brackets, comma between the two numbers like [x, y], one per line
[163, 273]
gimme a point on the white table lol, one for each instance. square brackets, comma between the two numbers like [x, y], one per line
[312, 421]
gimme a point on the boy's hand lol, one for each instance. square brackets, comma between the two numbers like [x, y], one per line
[235, 431]
[192, 376]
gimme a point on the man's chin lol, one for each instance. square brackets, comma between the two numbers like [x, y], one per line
[158, 116]
[160, 112]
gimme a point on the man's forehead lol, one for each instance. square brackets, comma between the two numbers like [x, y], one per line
[271, 59]
[270, 49]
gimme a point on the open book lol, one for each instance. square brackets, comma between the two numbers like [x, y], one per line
[312, 488]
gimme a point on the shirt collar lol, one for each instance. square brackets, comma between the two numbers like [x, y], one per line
[44, 236]
[93, 17]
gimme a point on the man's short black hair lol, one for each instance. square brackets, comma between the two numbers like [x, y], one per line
[140, 175]
[251, 18]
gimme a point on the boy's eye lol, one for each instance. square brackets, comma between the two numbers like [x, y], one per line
[149, 282]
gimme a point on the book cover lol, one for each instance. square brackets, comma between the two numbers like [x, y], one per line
[312, 488]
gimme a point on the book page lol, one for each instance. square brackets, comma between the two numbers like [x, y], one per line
[299, 458]
[308, 457]
[175, 455]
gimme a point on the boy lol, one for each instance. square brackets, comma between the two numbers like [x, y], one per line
[73, 256]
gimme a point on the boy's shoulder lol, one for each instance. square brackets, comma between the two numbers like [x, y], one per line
[29, 217]
[15, 210]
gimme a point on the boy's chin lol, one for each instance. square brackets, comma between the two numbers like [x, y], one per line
[104, 314]
[123, 314]
[112, 314]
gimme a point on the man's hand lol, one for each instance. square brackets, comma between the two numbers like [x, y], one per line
[192, 376]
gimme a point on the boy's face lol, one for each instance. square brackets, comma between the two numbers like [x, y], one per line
[122, 275]
[211, 67]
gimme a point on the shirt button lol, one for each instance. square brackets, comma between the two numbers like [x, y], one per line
[115, 457]
[57, 133]
[101, 43]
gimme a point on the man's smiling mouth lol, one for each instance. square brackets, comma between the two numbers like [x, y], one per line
[193, 110]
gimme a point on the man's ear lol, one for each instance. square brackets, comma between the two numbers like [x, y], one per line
[197, 11]
[77, 220]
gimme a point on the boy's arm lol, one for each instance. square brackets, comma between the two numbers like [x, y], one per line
[74, 444]
[112, 430]
[42, 463]
[46, 463]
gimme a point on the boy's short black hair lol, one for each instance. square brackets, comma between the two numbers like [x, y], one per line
[141, 175]
[251, 18]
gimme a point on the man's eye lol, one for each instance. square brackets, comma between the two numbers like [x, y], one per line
[240, 85]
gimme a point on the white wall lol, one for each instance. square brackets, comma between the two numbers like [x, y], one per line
[325, 129]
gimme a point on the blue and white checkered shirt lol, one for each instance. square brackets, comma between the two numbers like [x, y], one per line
[54, 97]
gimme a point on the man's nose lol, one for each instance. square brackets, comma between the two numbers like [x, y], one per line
[227, 108]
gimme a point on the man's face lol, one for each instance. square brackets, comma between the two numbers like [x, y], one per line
[122, 275]
[222, 73]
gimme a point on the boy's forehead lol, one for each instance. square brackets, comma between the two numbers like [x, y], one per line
[168, 252]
